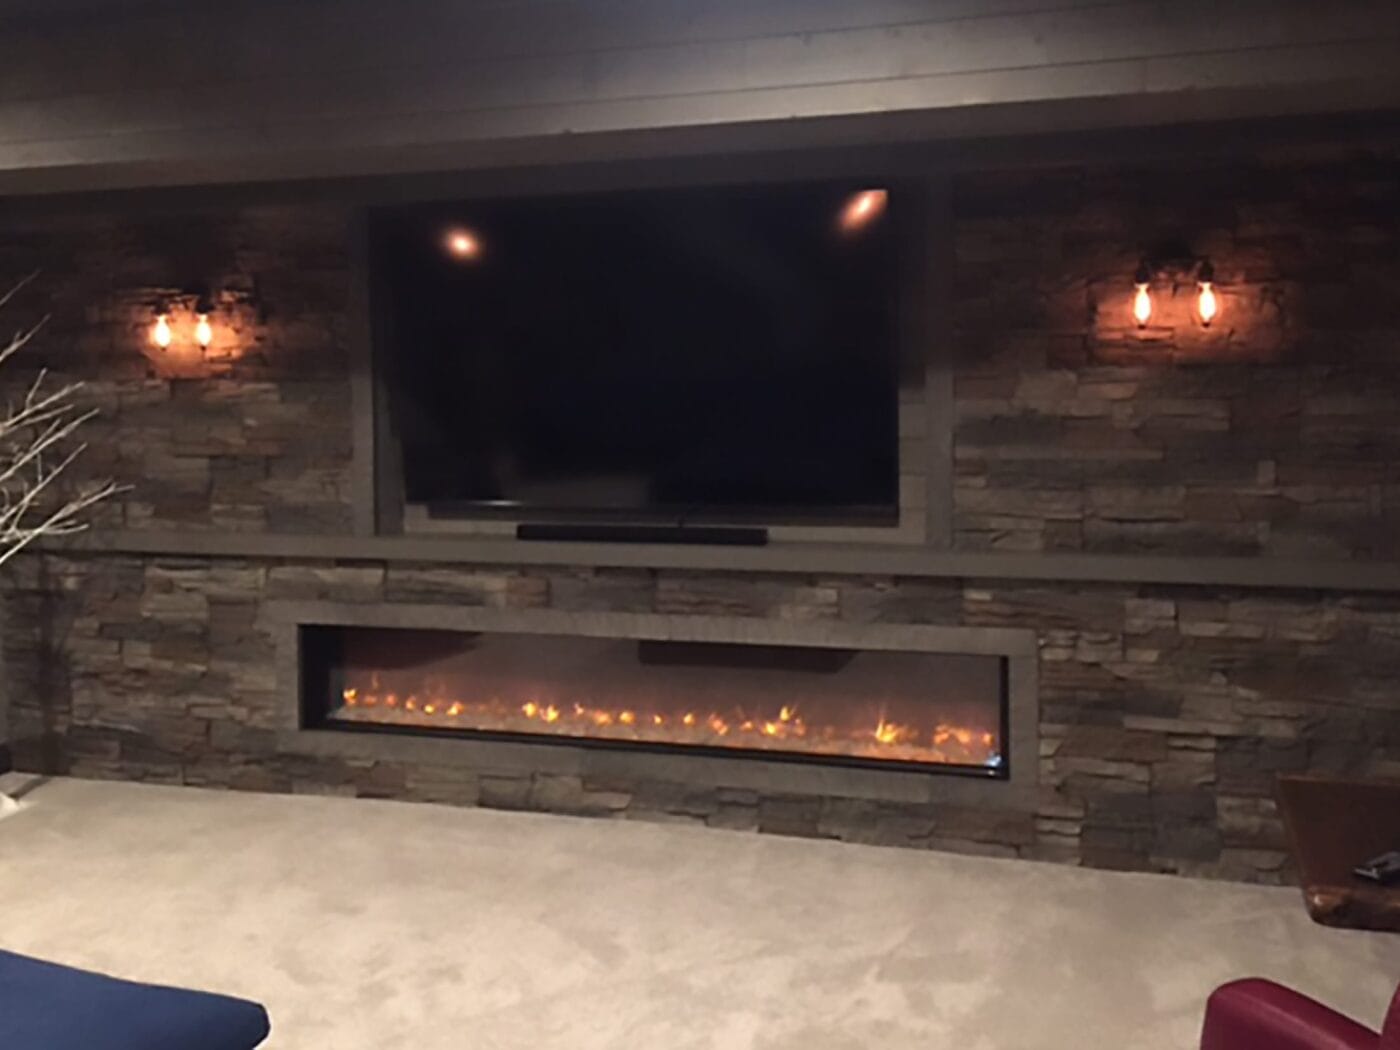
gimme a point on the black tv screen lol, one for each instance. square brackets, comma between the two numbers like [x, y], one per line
[681, 354]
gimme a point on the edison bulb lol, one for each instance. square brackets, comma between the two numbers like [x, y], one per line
[1142, 305]
[203, 331]
[1207, 303]
[160, 334]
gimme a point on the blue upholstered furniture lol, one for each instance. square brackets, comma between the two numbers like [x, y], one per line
[44, 1006]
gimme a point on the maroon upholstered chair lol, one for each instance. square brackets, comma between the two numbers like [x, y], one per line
[1255, 1014]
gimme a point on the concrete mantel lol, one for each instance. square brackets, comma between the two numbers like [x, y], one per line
[805, 558]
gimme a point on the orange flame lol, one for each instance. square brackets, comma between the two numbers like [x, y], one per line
[886, 733]
[883, 737]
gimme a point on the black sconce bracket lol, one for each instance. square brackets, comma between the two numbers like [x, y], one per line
[1175, 258]
[197, 296]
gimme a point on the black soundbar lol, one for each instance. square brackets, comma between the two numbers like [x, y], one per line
[598, 532]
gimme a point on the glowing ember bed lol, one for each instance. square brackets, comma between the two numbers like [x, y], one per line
[833, 705]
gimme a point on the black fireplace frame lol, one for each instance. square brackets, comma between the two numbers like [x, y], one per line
[281, 620]
[319, 646]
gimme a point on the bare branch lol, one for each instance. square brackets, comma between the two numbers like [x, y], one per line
[19, 340]
[36, 448]
[39, 442]
[18, 287]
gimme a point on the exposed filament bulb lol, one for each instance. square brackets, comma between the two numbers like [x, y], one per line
[1142, 305]
[1207, 303]
[160, 334]
[1142, 297]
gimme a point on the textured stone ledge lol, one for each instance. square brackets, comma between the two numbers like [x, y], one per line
[778, 558]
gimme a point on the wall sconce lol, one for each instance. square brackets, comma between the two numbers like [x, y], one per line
[163, 332]
[1177, 262]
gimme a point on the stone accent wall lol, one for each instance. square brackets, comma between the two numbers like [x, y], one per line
[252, 435]
[1271, 433]
[1165, 711]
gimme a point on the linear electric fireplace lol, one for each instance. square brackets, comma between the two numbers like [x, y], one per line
[823, 703]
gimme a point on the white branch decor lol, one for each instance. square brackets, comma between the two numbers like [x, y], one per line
[37, 444]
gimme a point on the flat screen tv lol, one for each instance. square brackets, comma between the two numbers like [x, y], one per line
[677, 355]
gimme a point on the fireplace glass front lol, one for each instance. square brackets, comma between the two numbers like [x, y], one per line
[844, 706]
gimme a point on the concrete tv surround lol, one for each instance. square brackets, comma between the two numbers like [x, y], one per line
[1184, 538]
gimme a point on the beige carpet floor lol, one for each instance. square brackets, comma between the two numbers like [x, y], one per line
[385, 925]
